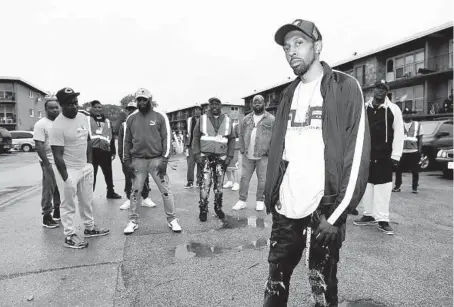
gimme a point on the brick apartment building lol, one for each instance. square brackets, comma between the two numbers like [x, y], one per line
[21, 104]
[419, 70]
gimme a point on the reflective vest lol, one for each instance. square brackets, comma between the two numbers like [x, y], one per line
[212, 142]
[100, 136]
[411, 136]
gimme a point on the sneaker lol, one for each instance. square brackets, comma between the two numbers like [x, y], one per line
[235, 187]
[220, 213]
[385, 228]
[260, 206]
[415, 191]
[73, 241]
[228, 185]
[113, 195]
[239, 205]
[147, 202]
[198, 185]
[56, 214]
[175, 226]
[365, 221]
[354, 212]
[203, 216]
[125, 205]
[130, 228]
[48, 222]
[189, 186]
[95, 232]
[396, 189]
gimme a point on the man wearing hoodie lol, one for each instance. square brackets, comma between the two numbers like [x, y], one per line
[103, 144]
[317, 167]
[387, 141]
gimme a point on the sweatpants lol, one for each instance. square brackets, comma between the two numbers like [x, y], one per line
[287, 243]
[213, 172]
[409, 161]
[143, 167]
[103, 159]
[50, 193]
[80, 184]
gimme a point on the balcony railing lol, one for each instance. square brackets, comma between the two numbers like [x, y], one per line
[430, 106]
[7, 96]
[7, 121]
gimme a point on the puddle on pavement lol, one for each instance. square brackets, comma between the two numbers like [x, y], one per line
[13, 190]
[195, 249]
[232, 222]
[361, 303]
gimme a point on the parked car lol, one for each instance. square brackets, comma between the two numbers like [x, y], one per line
[6, 143]
[437, 134]
[23, 140]
[445, 158]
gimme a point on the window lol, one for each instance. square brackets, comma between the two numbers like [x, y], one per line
[446, 127]
[390, 66]
[234, 108]
[7, 114]
[410, 97]
[408, 65]
[31, 112]
[40, 114]
[30, 94]
[359, 74]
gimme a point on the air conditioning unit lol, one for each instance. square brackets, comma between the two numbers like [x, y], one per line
[399, 72]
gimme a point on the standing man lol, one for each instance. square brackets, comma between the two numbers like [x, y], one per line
[317, 167]
[411, 155]
[387, 141]
[192, 121]
[214, 147]
[103, 144]
[147, 145]
[146, 201]
[50, 190]
[255, 140]
[70, 143]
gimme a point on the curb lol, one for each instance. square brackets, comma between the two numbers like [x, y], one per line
[17, 197]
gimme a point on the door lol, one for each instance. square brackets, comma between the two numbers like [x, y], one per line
[444, 141]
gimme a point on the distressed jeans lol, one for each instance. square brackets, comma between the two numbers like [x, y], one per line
[213, 171]
[143, 167]
[248, 168]
[287, 243]
[80, 184]
[50, 191]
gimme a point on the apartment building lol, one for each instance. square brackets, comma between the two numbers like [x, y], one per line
[21, 104]
[419, 70]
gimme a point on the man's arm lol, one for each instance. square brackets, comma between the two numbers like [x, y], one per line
[241, 135]
[166, 136]
[57, 144]
[127, 142]
[355, 171]
[89, 151]
[419, 137]
[196, 138]
[399, 135]
[121, 131]
[113, 150]
[231, 143]
[39, 137]
[188, 135]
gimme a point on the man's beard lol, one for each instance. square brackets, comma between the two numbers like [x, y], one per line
[146, 108]
[259, 111]
[302, 69]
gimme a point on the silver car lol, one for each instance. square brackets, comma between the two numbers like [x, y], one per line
[23, 140]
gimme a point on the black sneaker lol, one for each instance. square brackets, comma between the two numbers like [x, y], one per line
[113, 195]
[95, 232]
[48, 222]
[396, 189]
[385, 228]
[354, 212]
[56, 214]
[365, 221]
[219, 213]
[74, 241]
[203, 216]
[189, 186]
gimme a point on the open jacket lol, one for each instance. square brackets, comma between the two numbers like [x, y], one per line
[346, 137]
[263, 134]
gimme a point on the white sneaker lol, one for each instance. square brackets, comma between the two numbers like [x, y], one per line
[126, 205]
[235, 187]
[228, 185]
[239, 205]
[175, 226]
[260, 206]
[130, 228]
[148, 203]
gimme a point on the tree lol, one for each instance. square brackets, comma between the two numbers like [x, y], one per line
[125, 100]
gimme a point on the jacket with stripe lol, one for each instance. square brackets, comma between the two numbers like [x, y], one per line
[345, 132]
[192, 121]
[147, 136]
[121, 135]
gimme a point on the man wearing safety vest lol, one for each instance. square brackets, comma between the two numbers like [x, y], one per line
[103, 144]
[214, 146]
[188, 150]
[411, 156]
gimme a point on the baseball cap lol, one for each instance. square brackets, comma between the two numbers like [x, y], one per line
[132, 104]
[143, 92]
[66, 93]
[382, 83]
[406, 111]
[213, 99]
[305, 26]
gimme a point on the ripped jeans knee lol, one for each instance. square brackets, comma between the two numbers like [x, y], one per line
[276, 287]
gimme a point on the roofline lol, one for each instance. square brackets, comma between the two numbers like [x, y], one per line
[17, 79]
[416, 36]
[288, 80]
[205, 103]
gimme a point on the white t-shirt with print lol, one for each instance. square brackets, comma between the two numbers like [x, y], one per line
[73, 135]
[41, 133]
[303, 184]
[255, 119]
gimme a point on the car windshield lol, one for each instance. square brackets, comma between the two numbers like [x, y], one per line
[429, 127]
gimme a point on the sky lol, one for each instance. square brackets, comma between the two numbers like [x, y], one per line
[185, 52]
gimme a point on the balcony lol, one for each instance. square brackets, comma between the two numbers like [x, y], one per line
[7, 120]
[7, 96]
[431, 106]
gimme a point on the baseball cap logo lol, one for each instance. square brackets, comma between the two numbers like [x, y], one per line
[383, 81]
[69, 90]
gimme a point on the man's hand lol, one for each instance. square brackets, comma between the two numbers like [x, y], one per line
[227, 162]
[128, 167]
[198, 159]
[162, 169]
[394, 163]
[113, 157]
[326, 233]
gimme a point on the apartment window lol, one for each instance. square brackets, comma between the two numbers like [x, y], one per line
[40, 114]
[234, 108]
[30, 94]
[410, 97]
[408, 65]
[7, 114]
[31, 112]
[360, 74]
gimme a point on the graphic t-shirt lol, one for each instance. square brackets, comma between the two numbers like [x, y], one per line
[73, 135]
[41, 133]
[250, 153]
[303, 184]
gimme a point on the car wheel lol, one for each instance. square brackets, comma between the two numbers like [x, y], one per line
[425, 161]
[26, 148]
